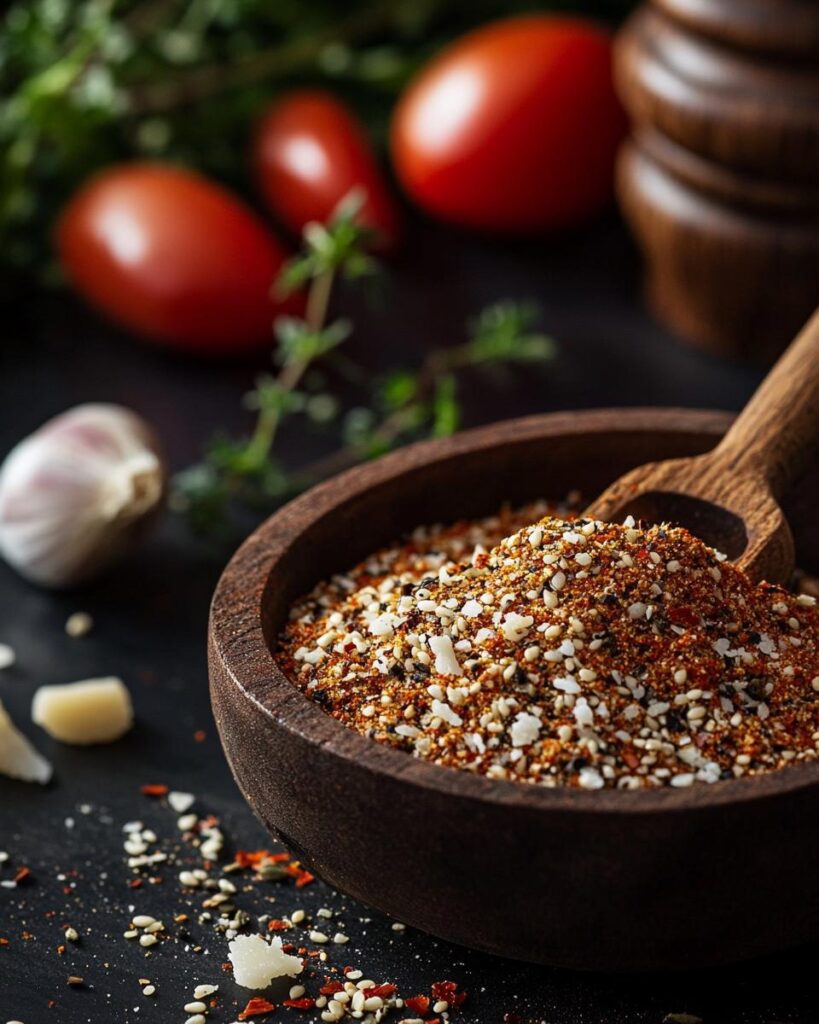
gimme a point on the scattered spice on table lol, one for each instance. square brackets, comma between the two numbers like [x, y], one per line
[229, 899]
[572, 653]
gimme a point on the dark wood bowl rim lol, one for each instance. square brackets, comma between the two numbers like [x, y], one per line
[250, 568]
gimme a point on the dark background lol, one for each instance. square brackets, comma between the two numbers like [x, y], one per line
[150, 621]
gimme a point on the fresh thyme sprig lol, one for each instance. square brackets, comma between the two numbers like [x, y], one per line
[247, 471]
[404, 405]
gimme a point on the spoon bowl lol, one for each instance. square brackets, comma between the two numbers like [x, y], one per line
[717, 526]
[605, 880]
[730, 497]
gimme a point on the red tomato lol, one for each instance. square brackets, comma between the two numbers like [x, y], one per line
[309, 152]
[513, 128]
[174, 257]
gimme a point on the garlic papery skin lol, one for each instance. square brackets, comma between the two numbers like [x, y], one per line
[78, 492]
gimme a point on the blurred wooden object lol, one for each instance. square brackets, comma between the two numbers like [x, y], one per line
[720, 179]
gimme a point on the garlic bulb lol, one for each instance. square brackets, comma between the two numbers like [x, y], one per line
[78, 492]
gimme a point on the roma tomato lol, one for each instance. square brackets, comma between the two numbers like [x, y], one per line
[513, 128]
[174, 257]
[309, 152]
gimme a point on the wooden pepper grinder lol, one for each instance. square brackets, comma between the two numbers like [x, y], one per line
[720, 179]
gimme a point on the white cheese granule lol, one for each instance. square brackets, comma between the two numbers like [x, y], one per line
[525, 729]
[471, 609]
[256, 961]
[445, 712]
[590, 778]
[91, 711]
[515, 627]
[446, 662]
[180, 802]
[583, 714]
[381, 625]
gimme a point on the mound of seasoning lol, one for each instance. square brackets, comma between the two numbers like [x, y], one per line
[572, 653]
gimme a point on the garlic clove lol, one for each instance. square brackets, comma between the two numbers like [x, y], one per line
[18, 758]
[90, 711]
[78, 492]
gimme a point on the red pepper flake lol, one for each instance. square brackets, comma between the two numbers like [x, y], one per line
[682, 616]
[418, 1004]
[135, 883]
[227, 966]
[22, 873]
[631, 759]
[277, 925]
[154, 789]
[256, 1007]
[304, 878]
[383, 991]
[447, 990]
[255, 858]
[200, 735]
[305, 1003]
[331, 987]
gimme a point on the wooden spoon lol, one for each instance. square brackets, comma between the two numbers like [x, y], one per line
[730, 496]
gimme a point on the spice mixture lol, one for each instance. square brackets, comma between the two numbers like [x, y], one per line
[568, 652]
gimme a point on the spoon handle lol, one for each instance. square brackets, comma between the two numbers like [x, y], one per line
[774, 436]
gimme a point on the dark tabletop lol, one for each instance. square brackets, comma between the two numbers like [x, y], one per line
[150, 622]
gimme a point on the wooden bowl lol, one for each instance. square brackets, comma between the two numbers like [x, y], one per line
[597, 880]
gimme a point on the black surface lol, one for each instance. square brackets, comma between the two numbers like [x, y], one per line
[150, 621]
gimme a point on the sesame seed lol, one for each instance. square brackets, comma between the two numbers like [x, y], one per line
[79, 624]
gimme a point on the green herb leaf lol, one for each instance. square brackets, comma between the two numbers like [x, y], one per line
[445, 409]
[503, 332]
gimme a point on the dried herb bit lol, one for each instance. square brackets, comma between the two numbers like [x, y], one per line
[273, 873]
